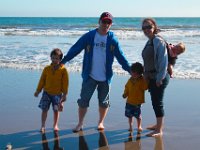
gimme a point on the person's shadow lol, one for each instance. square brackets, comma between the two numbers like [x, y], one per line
[56, 142]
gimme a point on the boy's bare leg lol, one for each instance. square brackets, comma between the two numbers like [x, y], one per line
[139, 124]
[130, 121]
[56, 118]
[81, 113]
[43, 120]
[102, 115]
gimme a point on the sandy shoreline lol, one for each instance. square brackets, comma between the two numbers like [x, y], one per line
[20, 117]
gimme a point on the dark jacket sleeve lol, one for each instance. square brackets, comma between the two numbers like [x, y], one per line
[75, 49]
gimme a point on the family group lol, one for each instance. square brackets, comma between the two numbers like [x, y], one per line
[101, 47]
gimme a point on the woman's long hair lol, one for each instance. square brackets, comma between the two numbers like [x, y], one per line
[157, 30]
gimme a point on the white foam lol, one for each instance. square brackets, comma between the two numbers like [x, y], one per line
[22, 52]
[78, 68]
[121, 33]
[48, 32]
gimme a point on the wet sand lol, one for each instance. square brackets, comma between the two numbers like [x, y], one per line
[20, 117]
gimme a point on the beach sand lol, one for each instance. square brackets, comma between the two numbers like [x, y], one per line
[20, 117]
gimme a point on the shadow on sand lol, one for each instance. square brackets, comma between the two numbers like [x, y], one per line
[87, 139]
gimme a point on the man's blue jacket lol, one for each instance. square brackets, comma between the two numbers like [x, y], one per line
[86, 43]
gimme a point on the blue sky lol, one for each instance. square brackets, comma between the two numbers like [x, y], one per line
[93, 8]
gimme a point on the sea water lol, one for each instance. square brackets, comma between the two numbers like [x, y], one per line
[26, 42]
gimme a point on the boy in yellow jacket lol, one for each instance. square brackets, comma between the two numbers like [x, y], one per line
[134, 92]
[54, 83]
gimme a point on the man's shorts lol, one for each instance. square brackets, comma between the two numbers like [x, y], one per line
[88, 88]
[47, 99]
[133, 111]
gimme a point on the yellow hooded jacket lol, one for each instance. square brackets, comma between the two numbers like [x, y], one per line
[54, 82]
[135, 90]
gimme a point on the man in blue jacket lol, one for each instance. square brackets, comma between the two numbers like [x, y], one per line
[100, 47]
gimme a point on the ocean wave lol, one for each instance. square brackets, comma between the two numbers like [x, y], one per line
[121, 33]
[49, 32]
[186, 74]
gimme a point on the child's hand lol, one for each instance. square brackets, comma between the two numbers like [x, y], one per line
[36, 94]
[124, 96]
[61, 106]
[63, 98]
[158, 84]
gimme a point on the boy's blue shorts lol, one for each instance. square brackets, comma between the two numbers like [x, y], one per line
[133, 111]
[47, 99]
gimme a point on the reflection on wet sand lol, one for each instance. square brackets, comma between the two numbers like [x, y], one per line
[56, 142]
[90, 139]
[132, 143]
[82, 142]
[45, 142]
[135, 143]
[159, 143]
[102, 142]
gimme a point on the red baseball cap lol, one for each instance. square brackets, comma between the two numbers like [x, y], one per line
[106, 16]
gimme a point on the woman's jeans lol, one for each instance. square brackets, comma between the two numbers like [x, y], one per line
[157, 94]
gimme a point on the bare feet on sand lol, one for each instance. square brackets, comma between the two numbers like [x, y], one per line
[56, 129]
[78, 128]
[100, 126]
[152, 127]
[155, 134]
[139, 130]
[42, 130]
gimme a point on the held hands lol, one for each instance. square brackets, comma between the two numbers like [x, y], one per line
[124, 96]
[36, 94]
[61, 106]
[158, 84]
[62, 100]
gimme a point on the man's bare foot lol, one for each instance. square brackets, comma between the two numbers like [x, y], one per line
[42, 130]
[130, 129]
[153, 127]
[56, 129]
[139, 130]
[100, 126]
[155, 134]
[78, 128]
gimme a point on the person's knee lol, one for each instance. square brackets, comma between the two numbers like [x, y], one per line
[158, 108]
[104, 104]
[83, 103]
[159, 112]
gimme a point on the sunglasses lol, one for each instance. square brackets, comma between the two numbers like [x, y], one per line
[106, 21]
[55, 58]
[147, 27]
